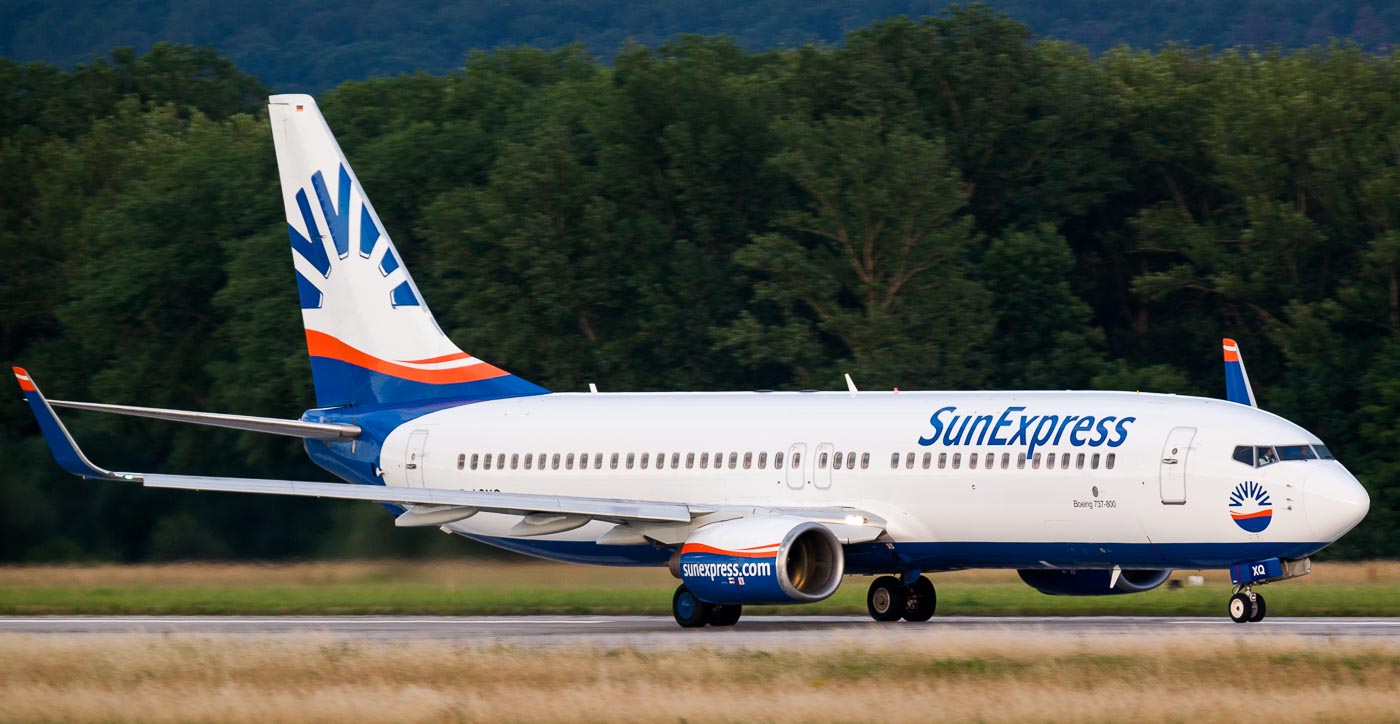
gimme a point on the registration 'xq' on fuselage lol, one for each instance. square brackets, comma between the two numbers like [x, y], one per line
[760, 497]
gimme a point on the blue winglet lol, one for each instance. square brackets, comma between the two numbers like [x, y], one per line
[64, 449]
[1237, 387]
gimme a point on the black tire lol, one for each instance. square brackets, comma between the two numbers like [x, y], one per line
[885, 599]
[1241, 608]
[690, 612]
[921, 602]
[726, 614]
[1259, 609]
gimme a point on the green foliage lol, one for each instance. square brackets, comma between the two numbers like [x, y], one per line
[940, 203]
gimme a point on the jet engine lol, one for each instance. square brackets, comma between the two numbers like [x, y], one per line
[766, 559]
[1092, 582]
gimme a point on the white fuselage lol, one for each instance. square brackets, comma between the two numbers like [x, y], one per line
[1146, 482]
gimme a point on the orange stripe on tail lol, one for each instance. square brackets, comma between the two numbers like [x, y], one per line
[320, 344]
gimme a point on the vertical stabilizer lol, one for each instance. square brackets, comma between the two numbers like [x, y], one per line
[1237, 387]
[370, 334]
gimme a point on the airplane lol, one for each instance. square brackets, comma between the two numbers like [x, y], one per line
[758, 497]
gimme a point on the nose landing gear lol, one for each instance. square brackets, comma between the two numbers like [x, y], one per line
[1246, 606]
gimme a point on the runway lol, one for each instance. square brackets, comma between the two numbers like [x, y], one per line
[757, 632]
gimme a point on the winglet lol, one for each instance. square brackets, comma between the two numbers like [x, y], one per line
[1237, 387]
[64, 449]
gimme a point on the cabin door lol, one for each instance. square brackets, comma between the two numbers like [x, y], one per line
[413, 462]
[1173, 467]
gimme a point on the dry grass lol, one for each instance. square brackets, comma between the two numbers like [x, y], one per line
[960, 676]
[466, 572]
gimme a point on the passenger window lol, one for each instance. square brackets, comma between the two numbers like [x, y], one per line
[894, 461]
[515, 461]
[928, 460]
[909, 461]
[1005, 460]
[569, 462]
[1020, 461]
[645, 458]
[612, 464]
[500, 461]
[762, 459]
[836, 461]
[1244, 454]
[850, 461]
[971, 461]
[777, 460]
[1064, 461]
[689, 461]
[675, 461]
[1035, 461]
[748, 460]
[1079, 461]
[461, 461]
[598, 461]
[1094, 461]
[991, 460]
[864, 461]
[942, 460]
[821, 461]
[733, 460]
[957, 459]
[719, 460]
[631, 458]
[1108, 461]
[704, 461]
[1050, 461]
[796, 460]
[475, 459]
[583, 461]
[488, 461]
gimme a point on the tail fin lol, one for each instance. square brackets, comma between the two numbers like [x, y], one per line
[1237, 388]
[371, 337]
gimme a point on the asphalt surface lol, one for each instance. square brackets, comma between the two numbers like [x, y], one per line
[757, 632]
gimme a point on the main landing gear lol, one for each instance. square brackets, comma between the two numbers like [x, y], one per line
[890, 600]
[1246, 606]
[691, 612]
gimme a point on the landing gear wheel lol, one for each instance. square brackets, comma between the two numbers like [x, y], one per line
[1241, 608]
[690, 612]
[725, 615]
[886, 599]
[921, 601]
[1259, 609]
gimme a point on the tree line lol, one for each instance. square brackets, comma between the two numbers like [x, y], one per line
[943, 203]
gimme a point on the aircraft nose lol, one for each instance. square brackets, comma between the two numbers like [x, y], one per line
[1334, 500]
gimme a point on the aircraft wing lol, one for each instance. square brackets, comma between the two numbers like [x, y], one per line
[426, 506]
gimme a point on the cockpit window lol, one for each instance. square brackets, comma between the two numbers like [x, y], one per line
[1261, 455]
[1323, 452]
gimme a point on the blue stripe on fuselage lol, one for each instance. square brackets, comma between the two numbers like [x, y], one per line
[870, 558]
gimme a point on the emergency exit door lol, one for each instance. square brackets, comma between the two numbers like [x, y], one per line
[1173, 467]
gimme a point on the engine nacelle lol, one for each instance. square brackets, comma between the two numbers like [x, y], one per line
[767, 559]
[1092, 581]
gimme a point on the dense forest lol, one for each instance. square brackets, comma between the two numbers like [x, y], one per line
[310, 46]
[942, 203]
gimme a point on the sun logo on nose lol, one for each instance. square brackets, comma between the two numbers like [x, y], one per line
[1250, 507]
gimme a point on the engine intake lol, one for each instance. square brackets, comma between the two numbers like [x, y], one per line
[1092, 581]
[768, 559]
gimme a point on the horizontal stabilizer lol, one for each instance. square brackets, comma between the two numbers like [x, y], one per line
[271, 425]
